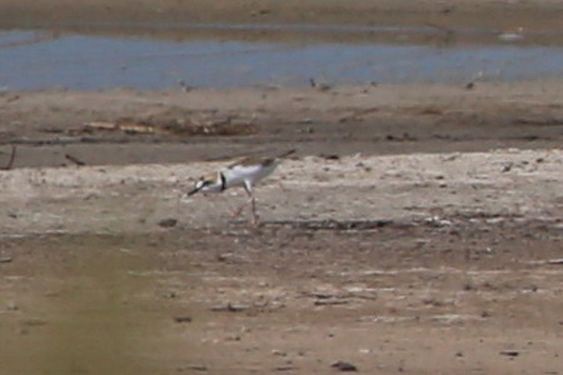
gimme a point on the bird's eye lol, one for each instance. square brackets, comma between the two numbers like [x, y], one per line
[203, 183]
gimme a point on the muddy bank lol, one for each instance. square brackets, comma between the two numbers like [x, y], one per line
[127, 126]
[532, 16]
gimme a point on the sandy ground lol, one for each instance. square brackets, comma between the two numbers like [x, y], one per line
[422, 263]
[411, 256]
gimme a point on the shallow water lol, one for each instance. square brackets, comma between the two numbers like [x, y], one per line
[37, 60]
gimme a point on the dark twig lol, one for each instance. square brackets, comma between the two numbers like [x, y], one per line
[11, 161]
[74, 159]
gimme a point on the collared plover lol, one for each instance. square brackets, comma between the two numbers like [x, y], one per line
[245, 173]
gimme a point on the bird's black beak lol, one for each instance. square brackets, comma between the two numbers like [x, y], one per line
[192, 192]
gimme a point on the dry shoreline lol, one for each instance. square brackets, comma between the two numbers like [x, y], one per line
[423, 261]
[419, 263]
[537, 16]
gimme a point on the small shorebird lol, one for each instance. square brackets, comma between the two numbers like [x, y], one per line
[245, 173]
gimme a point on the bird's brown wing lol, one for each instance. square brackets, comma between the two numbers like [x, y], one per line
[255, 160]
[252, 160]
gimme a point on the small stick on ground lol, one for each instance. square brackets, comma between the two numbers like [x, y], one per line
[74, 159]
[11, 161]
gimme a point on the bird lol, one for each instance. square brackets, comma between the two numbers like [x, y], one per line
[245, 172]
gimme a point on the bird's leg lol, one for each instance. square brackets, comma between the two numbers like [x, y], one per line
[248, 188]
[254, 215]
[236, 213]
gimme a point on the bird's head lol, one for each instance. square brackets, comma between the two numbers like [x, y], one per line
[206, 185]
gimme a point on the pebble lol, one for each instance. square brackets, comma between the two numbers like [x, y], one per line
[167, 223]
[344, 366]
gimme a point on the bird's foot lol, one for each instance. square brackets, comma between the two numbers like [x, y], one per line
[255, 220]
[236, 213]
